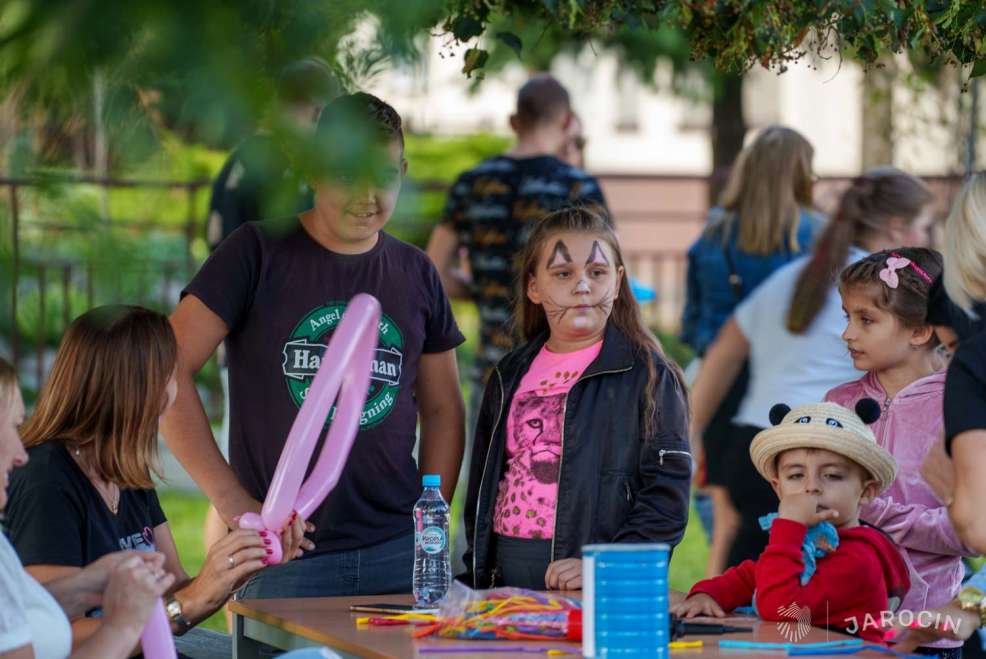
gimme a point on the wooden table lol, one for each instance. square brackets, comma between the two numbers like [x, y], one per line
[297, 623]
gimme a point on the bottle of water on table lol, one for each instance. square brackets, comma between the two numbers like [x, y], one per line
[432, 564]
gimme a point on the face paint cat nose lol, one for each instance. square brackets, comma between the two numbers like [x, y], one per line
[582, 287]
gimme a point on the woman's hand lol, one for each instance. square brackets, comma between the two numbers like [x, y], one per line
[565, 574]
[134, 586]
[698, 604]
[91, 581]
[228, 564]
[83, 589]
[293, 540]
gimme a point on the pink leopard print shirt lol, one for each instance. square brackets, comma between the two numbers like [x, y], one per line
[525, 503]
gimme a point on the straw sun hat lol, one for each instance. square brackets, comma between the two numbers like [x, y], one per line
[825, 426]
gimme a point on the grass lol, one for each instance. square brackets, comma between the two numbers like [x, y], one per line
[186, 515]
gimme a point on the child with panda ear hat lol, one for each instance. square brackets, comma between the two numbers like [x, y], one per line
[824, 463]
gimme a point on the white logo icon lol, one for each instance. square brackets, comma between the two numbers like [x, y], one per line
[800, 625]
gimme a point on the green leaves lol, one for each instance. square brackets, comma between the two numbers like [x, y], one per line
[208, 69]
[737, 34]
[511, 40]
[465, 28]
[475, 58]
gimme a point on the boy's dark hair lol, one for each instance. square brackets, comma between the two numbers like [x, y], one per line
[541, 98]
[909, 300]
[366, 111]
[308, 80]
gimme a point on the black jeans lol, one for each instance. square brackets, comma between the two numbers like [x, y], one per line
[522, 563]
[716, 438]
[750, 493]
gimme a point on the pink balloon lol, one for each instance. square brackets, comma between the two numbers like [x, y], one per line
[344, 371]
[156, 640]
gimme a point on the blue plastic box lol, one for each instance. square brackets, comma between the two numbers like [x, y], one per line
[625, 600]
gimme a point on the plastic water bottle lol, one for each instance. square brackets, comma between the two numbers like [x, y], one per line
[432, 564]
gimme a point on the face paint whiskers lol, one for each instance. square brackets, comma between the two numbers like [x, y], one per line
[556, 311]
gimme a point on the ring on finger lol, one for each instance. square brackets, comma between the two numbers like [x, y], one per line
[231, 561]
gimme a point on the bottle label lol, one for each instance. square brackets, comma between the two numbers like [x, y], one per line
[432, 539]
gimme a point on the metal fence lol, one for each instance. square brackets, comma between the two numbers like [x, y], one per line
[58, 277]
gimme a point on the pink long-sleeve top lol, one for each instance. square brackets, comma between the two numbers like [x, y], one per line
[909, 511]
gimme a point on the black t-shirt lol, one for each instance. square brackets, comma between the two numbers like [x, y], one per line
[55, 516]
[282, 294]
[965, 389]
[493, 208]
[256, 183]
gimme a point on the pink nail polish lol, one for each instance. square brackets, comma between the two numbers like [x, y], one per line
[266, 541]
[269, 551]
[264, 561]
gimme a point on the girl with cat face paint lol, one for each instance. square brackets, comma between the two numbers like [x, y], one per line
[582, 436]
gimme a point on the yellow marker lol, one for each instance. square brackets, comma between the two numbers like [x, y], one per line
[681, 645]
[363, 621]
[559, 653]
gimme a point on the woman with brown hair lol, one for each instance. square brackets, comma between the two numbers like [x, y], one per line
[34, 619]
[87, 490]
[790, 331]
[763, 222]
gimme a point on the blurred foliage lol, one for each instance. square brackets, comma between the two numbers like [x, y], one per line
[674, 348]
[524, 36]
[737, 34]
[203, 68]
[207, 70]
[433, 164]
[139, 253]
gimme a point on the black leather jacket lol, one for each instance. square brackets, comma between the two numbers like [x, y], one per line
[615, 485]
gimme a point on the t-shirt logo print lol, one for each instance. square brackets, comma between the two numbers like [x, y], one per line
[302, 356]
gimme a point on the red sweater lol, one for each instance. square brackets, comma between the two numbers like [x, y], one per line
[849, 590]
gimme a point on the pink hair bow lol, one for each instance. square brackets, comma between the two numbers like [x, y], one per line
[889, 274]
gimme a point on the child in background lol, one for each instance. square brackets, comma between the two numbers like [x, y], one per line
[582, 436]
[885, 297]
[825, 465]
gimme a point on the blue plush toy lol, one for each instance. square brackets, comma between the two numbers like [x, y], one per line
[820, 540]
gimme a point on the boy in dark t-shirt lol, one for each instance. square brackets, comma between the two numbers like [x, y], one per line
[275, 291]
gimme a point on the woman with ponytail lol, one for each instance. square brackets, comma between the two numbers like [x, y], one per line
[764, 220]
[790, 331]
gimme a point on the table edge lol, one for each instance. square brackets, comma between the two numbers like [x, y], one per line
[240, 609]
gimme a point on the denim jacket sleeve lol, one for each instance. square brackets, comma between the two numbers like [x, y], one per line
[660, 508]
[690, 317]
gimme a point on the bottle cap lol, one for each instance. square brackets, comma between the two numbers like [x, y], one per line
[431, 480]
